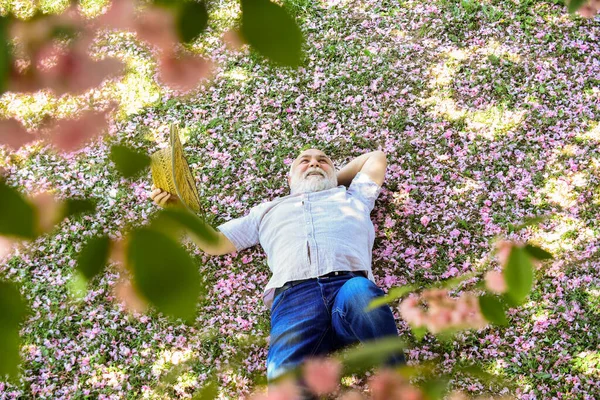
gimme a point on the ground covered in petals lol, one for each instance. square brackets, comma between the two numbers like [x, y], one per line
[489, 113]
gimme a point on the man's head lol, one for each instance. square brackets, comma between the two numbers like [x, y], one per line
[312, 171]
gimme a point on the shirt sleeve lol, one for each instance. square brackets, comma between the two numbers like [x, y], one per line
[243, 231]
[365, 190]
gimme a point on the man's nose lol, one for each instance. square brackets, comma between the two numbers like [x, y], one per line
[313, 164]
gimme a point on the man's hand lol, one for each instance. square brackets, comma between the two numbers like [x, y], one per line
[163, 198]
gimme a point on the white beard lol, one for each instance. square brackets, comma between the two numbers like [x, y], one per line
[309, 184]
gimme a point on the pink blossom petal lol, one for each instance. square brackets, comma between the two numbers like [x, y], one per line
[322, 375]
[70, 135]
[184, 73]
[14, 135]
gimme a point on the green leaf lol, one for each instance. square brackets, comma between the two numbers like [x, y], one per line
[209, 391]
[74, 207]
[93, 257]
[393, 294]
[435, 389]
[518, 274]
[9, 353]
[454, 282]
[271, 31]
[129, 162]
[537, 252]
[77, 286]
[17, 216]
[528, 222]
[13, 308]
[5, 55]
[369, 354]
[192, 20]
[13, 311]
[188, 221]
[492, 309]
[574, 5]
[164, 273]
[419, 332]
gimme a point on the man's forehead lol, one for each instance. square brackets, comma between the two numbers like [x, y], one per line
[311, 152]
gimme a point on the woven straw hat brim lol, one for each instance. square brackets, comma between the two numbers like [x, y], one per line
[171, 172]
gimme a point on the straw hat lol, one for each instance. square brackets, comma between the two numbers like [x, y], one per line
[171, 173]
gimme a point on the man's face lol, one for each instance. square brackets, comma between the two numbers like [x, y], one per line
[312, 171]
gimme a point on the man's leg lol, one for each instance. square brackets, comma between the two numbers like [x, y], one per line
[300, 328]
[352, 324]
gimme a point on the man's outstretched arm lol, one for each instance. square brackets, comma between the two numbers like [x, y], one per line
[223, 245]
[372, 164]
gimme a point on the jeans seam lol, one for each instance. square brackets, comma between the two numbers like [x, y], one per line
[312, 353]
[343, 317]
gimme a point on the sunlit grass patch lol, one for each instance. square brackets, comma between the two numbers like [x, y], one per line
[564, 236]
[588, 363]
[92, 8]
[494, 121]
[592, 134]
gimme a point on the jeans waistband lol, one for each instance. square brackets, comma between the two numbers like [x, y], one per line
[329, 275]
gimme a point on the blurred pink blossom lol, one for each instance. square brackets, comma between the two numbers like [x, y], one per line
[119, 16]
[232, 40]
[442, 312]
[183, 73]
[284, 390]
[495, 282]
[6, 246]
[14, 135]
[156, 26]
[72, 134]
[322, 375]
[126, 293]
[48, 209]
[425, 220]
[71, 70]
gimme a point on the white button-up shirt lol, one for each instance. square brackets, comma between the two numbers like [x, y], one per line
[306, 235]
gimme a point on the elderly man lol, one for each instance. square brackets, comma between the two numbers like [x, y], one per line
[319, 242]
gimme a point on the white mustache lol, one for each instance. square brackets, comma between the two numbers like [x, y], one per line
[322, 173]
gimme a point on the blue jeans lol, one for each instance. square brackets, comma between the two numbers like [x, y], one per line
[323, 315]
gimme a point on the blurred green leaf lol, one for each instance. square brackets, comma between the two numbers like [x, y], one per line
[528, 222]
[393, 294]
[209, 391]
[518, 274]
[574, 5]
[164, 273]
[13, 311]
[192, 20]
[492, 309]
[537, 252]
[5, 56]
[477, 372]
[129, 162]
[173, 5]
[271, 31]
[93, 257]
[454, 282]
[367, 355]
[10, 357]
[17, 216]
[190, 222]
[13, 308]
[74, 207]
[436, 388]
[419, 332]
[77, 286]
